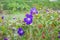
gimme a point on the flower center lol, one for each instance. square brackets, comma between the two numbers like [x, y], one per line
[33, 10]
[28, 19]
[21, 31]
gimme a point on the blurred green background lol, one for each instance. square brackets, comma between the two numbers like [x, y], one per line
[49, 22]
[13, 6]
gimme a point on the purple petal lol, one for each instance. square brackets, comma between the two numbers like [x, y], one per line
[20, 31]
[29, 19]
[25, 19]
[28, 23]
[5, 38]
[29, 15]
[33, 11]
[58, 36]
[2, 17]
[47, 10]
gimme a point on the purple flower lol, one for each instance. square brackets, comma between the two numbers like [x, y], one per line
[29, 15]
[28, 20]
[58, 36]
[33, 11]
[20, 31]
[2, 17]
[5, 38]
[47, 10]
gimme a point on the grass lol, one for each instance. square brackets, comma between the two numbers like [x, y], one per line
[45, 25]
[32, 32]
[18, 5]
